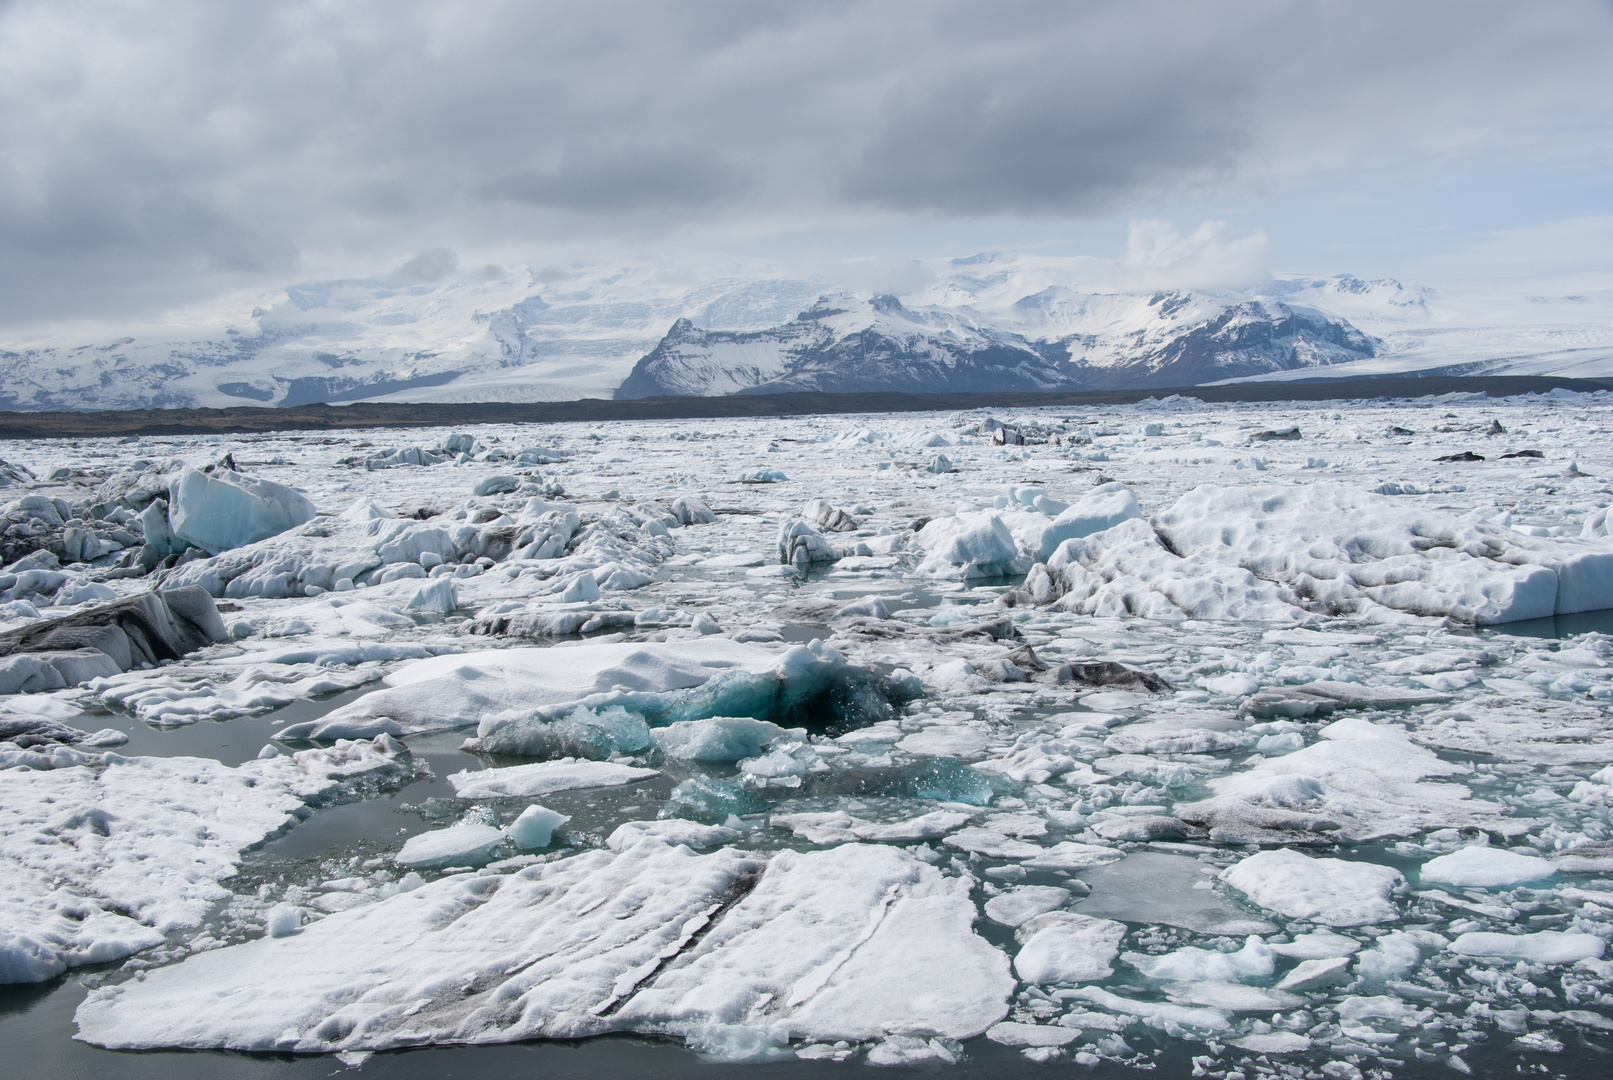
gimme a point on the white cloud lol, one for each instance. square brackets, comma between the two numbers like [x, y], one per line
[1212, 256]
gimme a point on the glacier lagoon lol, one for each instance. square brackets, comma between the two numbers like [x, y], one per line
[1216, 737]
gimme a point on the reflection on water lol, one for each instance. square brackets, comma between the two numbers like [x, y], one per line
[1561, 626]
[34, 1020]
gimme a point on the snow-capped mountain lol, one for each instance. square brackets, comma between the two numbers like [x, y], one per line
[1055, 339]
[990, 322]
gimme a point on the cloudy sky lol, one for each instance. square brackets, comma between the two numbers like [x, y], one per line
[156, 154]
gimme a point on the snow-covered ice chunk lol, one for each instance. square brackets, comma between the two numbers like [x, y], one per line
[1333, 892]
[1359, 781]
[544, 778]
[839, 827]
[1542, 947]
[692, 511]
[222, 510]
[1486, 867]
[1231, 996]
[663, 682]
[1316, 945]
[1309, 974]
[583, 732]
[852, 943]
[844, 939]
[1062, 947]
[1192, 964]
[497, 484]
[102, 855]
[1350, 549]
[969, 546]
[1273, 1042]
[467, 844]
[440, 596]
[1011, 1033]
[671, 831]
[1102, 508]
[800, 545]
[283, 920]
[717, 738]
[1153, 1013]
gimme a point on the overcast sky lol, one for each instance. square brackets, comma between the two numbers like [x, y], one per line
[154, 154]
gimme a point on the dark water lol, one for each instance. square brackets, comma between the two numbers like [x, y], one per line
[36, 1022]
[1561, 626]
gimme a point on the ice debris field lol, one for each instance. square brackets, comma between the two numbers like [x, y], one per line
[1278, 732]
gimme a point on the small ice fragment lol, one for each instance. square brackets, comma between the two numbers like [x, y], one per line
[1010, 1033]
[1318, 945]
[1308, 974]
[535, 827]
[1018, 906]
[1275, 1042]
[283, 920]
[500, 484]
[459, 845]
[544, 777]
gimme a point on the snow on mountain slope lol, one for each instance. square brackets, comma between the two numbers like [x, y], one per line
[1054, 339]
[846, 343]
[525, 336]
[988, 322]
[1492, 330]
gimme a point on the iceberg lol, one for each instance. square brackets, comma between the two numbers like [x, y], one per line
[223, 509]
[660, 682]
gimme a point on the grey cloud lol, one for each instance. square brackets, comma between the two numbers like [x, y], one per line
[428, 267]
[155, 151]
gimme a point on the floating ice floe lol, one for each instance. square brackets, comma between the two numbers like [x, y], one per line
[662, 683]
[1485, 867]
[1333, 892]
[855, 942]
[544, 778]
[103, 855]
[1359, 780]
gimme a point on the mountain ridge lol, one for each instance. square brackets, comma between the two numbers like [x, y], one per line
[849, 343]
[994, 321]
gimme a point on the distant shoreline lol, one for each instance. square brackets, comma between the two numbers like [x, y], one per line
[359, 415]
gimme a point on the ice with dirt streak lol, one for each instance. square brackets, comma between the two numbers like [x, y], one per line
[852, 943]
[1075, 717]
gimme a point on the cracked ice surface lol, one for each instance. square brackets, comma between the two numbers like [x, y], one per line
[1148, 730]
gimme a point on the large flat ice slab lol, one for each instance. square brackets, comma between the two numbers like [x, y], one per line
[853, 943]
